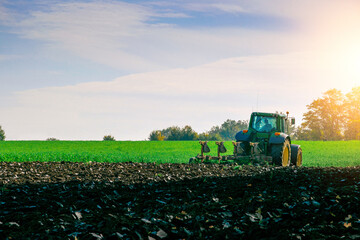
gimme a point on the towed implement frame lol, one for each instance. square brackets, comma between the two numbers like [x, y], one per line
[256, 155]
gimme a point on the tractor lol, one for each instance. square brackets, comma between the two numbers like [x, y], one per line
[267, 140]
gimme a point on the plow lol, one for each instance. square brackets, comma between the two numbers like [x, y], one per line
[266, 141]
[256, 156]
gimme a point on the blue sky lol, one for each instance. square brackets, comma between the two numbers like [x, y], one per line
[128, 67]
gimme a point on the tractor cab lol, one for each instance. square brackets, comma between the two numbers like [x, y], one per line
[270, 122]
[264, 124]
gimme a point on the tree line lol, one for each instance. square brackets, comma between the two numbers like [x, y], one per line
[224, 132]
[334, 116]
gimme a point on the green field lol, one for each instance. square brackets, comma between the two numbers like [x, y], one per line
[315, 153]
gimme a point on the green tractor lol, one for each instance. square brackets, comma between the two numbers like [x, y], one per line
[266, 140]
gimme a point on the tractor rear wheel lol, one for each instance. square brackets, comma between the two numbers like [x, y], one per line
[281, 153]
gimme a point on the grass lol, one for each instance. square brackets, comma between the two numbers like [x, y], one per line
[315, 153]
[331, 153]
[100, 151]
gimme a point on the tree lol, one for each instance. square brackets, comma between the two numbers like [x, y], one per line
[324, 119]
[188, 134]
[108, 138]
[175, 133]
[306, 134]
[171, 133]
[206, 136]
[352, 115]
[156, 136]
[228, 129]
[2, 134]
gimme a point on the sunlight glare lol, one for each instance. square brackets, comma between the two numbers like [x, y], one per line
[354, 66]
[349, 65]
[354, 63]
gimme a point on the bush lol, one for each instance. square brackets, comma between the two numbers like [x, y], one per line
[2, 134]
[108, 138]
[52, 139]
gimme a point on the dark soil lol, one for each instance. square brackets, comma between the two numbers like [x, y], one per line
[177, 201]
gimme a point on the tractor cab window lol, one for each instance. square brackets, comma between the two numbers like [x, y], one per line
[282, 124]
[264, 124]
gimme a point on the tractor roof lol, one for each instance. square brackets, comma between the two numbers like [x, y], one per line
[268, 114]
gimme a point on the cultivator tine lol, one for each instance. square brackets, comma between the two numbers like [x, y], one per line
[204, 149]
[255, 149]
[237, 148]
[221, 149]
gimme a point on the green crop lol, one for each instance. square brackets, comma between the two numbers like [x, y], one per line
[315, 153]
[99, 151]
[330, 153]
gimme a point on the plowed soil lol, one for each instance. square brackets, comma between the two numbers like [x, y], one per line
[177, 201]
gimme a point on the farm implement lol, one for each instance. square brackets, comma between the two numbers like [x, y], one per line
[266, 140]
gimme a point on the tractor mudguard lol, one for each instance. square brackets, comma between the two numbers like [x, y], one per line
[241, 136]
[293, 146]
[278, 139]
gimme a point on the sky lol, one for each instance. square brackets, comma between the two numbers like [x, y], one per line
[79, 70]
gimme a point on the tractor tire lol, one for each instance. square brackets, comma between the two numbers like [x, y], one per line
[296, 155]
[281, 154]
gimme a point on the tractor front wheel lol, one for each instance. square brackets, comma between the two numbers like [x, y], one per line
[281, 154]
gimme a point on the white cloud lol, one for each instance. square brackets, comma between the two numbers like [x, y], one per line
[214, 6]
[232, 8]
[8, 57]
[130, 107]
[5, 16]
[124, 36]
[97, 31]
